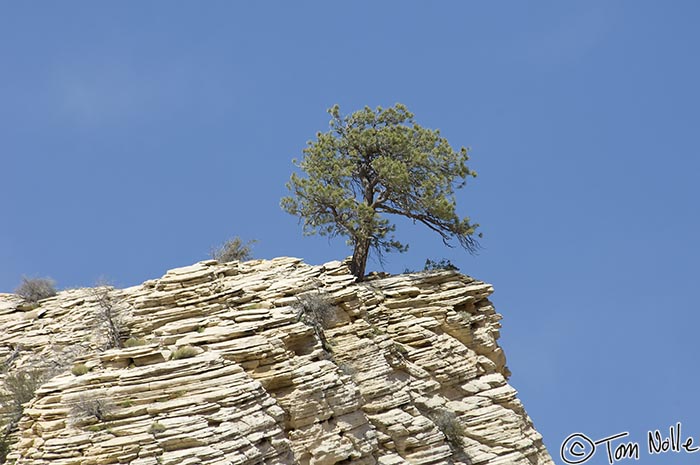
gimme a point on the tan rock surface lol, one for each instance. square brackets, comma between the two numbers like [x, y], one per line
[400, 370]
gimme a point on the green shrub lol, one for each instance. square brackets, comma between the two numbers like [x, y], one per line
[233, 249]
[134, 342]
[156, 427]
[79, 369]
[184, 352]
[97, 428]
[35, 289]
[444, 264]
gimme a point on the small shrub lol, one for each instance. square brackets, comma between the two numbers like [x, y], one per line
[444, 264]
[156, 427]
[21, 386]
[96, 428]
[79, 369]
[176, 394]
[35, 289]
[450, 426]
[109, 316]
[184, 352]
[316, 310]
[91, 406]
[134, 342]
[233, 249]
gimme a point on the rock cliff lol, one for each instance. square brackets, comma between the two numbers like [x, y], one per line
[266, 362]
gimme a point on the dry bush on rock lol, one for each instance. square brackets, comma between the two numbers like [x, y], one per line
[35, 289]
[232, 250]
[19, 388]
[92, 406]
[447, 422]
[110, 317]
[316, 310]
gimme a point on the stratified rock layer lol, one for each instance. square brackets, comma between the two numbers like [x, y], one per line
[397, 370]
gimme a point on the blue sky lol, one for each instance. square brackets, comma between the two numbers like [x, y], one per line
[134, 137]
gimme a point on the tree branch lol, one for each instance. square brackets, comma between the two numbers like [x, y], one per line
[437, 225]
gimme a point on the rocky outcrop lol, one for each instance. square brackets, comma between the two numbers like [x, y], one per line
[268, 362]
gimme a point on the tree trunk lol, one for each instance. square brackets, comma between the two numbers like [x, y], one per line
[359, 258]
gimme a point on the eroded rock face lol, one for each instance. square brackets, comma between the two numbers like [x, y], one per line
[395, 370]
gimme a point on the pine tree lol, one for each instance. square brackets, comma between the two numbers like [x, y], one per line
[373, 163]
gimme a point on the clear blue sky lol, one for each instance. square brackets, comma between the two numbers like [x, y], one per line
[135, 136]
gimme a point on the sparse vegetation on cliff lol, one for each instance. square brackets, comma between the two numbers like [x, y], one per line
[79, 369]
[92, 406]
[109, 316]
[184, 352]
[19, 388]
[315, 310]
[233, 249]
[258, 371]
[435, 265]
[35, 289]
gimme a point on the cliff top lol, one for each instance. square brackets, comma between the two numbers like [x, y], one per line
[266, 361]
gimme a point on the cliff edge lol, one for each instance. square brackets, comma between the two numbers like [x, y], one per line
[266, 362]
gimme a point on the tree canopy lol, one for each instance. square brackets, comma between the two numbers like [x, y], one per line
[377, 162]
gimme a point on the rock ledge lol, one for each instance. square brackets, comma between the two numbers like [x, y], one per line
[236, 367]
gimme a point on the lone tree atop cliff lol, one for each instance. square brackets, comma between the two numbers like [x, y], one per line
[374, 162]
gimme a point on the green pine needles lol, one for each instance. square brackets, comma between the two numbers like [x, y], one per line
[375, 163]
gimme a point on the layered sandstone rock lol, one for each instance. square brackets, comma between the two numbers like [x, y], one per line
[394, 370]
